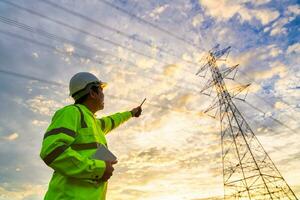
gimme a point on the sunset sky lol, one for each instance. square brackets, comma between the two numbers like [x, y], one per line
[148, 49]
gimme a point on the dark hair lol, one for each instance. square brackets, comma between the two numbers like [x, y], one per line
[82, 99]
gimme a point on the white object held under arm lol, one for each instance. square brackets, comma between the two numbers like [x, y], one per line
[103, 153]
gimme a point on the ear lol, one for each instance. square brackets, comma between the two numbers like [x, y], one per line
[93, 94]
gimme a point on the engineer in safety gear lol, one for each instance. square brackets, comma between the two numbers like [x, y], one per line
[72, 139]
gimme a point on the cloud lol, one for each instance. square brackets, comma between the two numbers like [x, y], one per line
[173, 142]
[284, 89]
[28, 191]
[169, 70]
[260, 2]
[35, 55]
[39, 122]
[197, 20]
[157, 11]
[225, 9]
[294, 9]
[145, 63]
[69, 49]
[11, 137]
[182, 101]
[254, 88]
[277, 68]
[252, 57]
[43, 105]
[243, 58]
[294, 48]
[280, 105]
[265, 16]
[278, 28]
[155, 165]
[275, 51]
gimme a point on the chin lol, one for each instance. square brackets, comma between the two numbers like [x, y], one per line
[101, 107]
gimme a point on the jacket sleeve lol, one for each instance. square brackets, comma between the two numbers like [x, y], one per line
[57, 153]
[108, 123]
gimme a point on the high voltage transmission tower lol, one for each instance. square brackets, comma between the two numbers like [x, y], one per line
[248, 171]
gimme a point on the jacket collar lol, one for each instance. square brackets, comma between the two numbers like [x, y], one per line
[86, 110]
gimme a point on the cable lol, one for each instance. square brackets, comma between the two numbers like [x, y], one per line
[10, 34]
[65, 24]
[32, 78]
[110, 95]
[112, 42]
[54, 37]
[88, 33]
[91, 20]
[267, 102]
[61, 39]
[100, 24]
[26, 28]
[149, 23]
[274, 119]
[64, 85]
[69, 26]
[51, 47]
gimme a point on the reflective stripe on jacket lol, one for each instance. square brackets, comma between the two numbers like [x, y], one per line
[68, 145]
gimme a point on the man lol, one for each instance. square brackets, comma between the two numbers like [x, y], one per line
[72, 139]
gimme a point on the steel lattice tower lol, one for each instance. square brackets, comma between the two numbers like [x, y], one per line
[248, 171]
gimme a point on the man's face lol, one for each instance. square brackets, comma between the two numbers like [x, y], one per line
[98, 98]
[101, 98]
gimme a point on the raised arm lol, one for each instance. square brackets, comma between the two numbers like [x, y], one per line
[108, 123]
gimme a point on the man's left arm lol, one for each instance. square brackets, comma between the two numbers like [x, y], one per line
[109, 123]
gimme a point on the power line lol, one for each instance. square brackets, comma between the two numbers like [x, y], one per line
[267, 102]
[240, 146]
[273, 118]
[55, 37]
[254, 107]
[10, 73]
[110, 42]
[10, 34]
[77, 55]
[165, 107]
[32, 78]
[49, 82]
[83, 31]
[261, 111]
[51, 36]
[84, 17]
[100, 24]
[68, 26]
[61, 39]
[91, 34]
[149, 23]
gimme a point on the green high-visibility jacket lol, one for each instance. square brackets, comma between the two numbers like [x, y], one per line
[68, 146]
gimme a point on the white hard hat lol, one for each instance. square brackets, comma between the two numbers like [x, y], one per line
[81, 83]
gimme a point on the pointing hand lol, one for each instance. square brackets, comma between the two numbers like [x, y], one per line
[136, 112]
